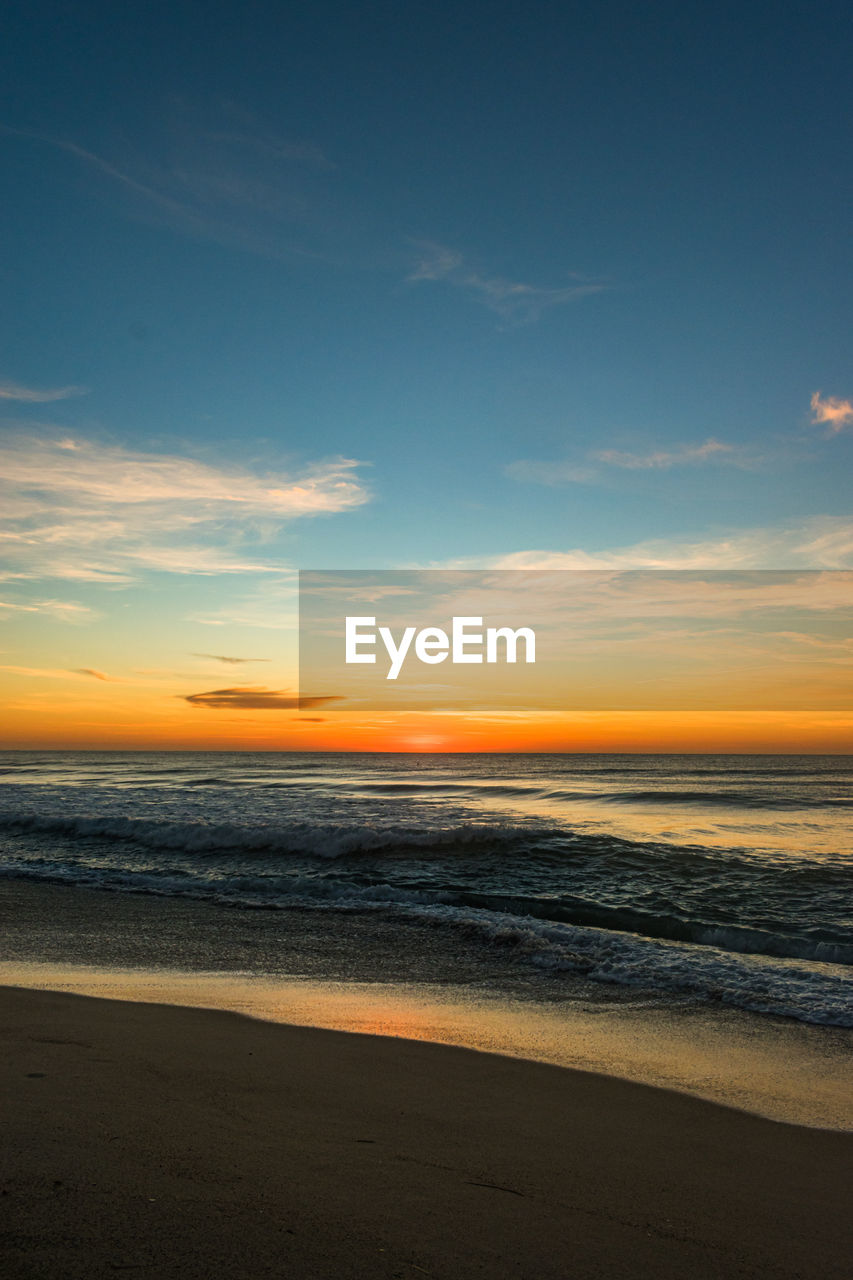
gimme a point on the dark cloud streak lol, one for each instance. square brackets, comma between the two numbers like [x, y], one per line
[256, 699]
[220, 657]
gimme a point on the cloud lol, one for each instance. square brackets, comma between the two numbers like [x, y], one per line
[62, 610]
[97, 162]
[32, 395]
[85, 511]
[436, 263]
[218, 657]
[662, 459]
[51, 673]
[593, 468]
[701, 616]
[113, 476]
[820, 542]
[836, 413]
[270, 604]
[219, 174]
[254, 138]
[255, 699]
[513, 300]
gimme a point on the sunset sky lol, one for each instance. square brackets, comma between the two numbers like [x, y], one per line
[376, 286]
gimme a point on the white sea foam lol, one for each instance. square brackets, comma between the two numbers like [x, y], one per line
[808, 991]
[675, 875]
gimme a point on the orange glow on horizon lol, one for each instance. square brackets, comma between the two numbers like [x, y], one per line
[165, 723]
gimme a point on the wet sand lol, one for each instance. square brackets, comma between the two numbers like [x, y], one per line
[166, 1141]
[348, 975]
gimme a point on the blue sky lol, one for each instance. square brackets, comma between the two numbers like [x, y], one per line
[570, 284]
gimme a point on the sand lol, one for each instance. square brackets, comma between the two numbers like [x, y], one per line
[164, 1141]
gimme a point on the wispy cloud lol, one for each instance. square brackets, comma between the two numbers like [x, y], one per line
[85, 511]
[514, 300]
[820, 542]
[112, 475]
[220, 174]
[817, 542]
[269, 604]
[682, 455]
[35, 395]
[835, 413]
[243, 130]
[53, 673]
[62, 610]
[218, 657]
[435, 262]
[98, 162]
[255, 699]
[594, 464]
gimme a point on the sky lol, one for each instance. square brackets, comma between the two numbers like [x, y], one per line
[375, 286]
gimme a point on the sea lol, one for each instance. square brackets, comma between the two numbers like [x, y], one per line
[723, 880]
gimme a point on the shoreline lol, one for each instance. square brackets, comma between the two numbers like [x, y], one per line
[193, 1142]
[774, 1072]
[306, 970]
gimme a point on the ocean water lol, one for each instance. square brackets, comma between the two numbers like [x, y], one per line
[710, 878]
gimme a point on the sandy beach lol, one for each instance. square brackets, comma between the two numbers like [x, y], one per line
[185, 1142]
